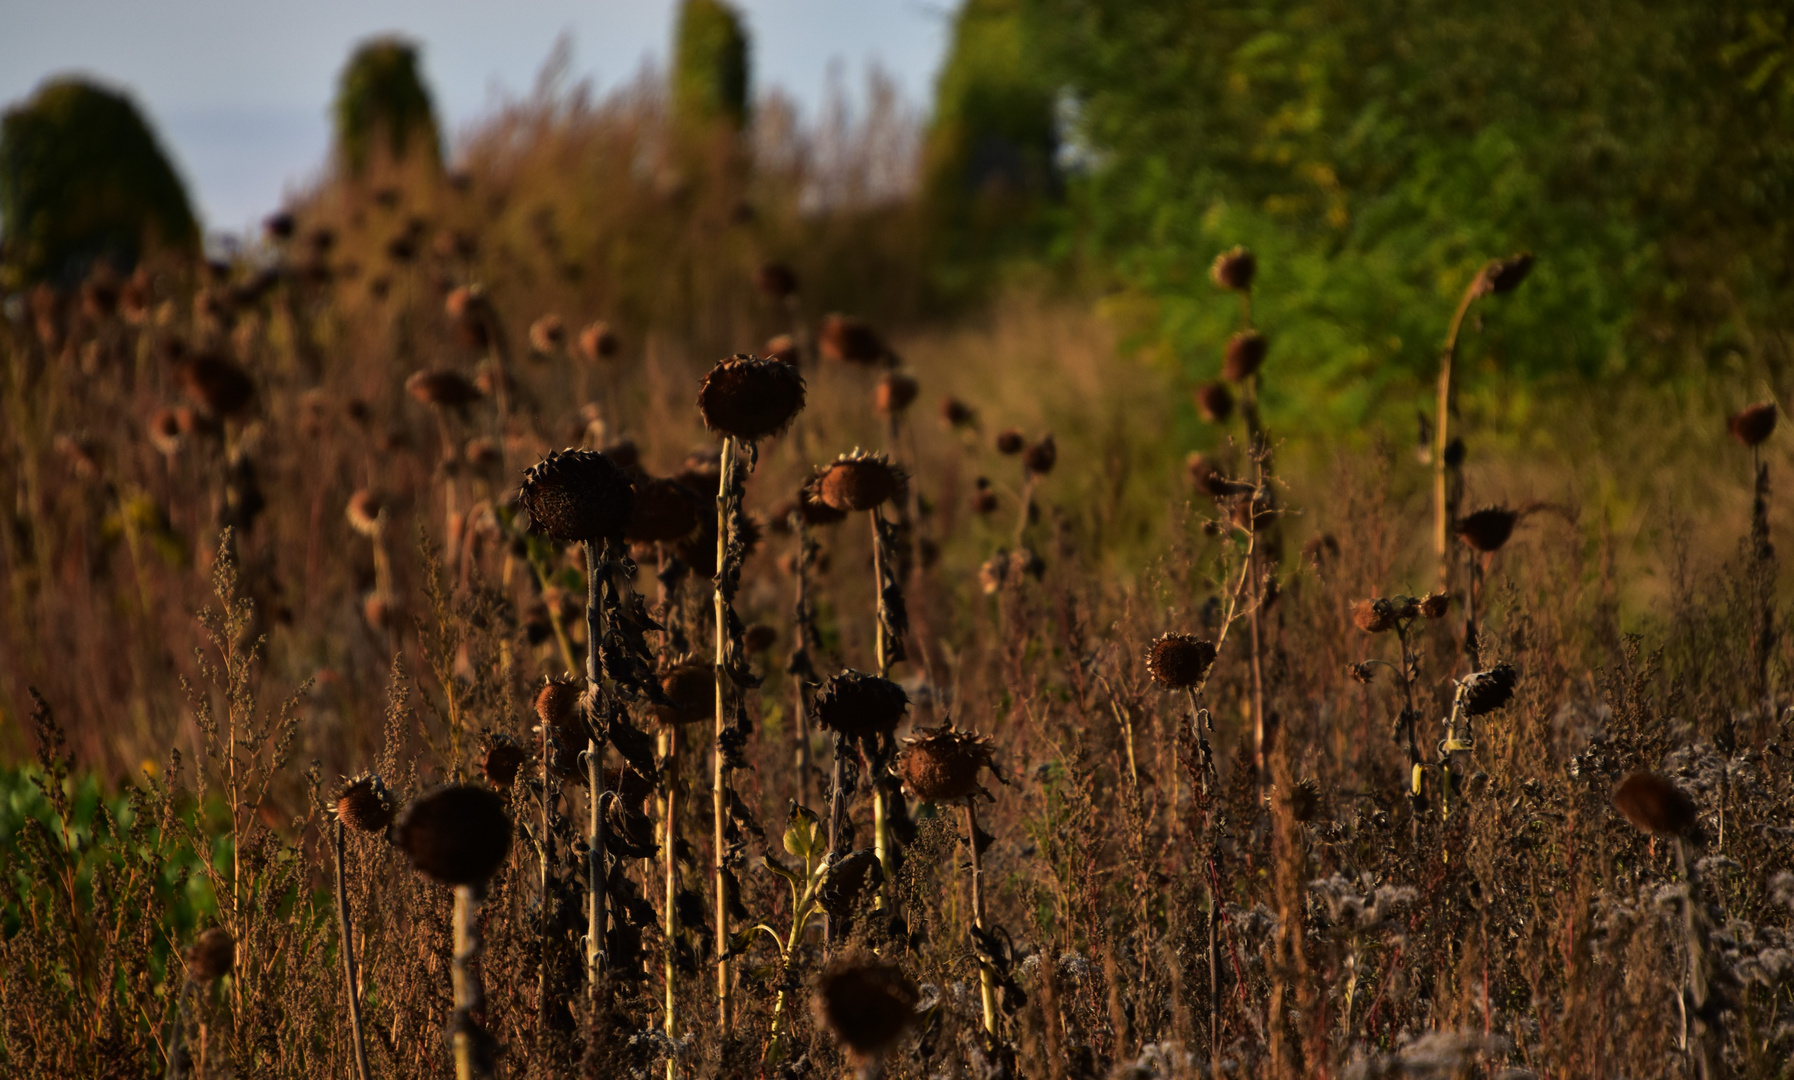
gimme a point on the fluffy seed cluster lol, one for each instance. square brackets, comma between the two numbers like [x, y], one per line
[859, 481]
[1655, 805]
[577, 495]
[749, 398]
[365, 805]
[1176, 661]
[859, 705]
[942, 764]
[865, 1003]
[458, 834]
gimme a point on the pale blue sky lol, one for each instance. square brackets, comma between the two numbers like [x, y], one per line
[238, 89]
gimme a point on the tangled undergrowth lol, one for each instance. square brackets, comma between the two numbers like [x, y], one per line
[848, 730]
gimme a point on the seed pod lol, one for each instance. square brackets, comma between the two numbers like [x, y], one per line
[957, 414]
[865, 1003]
[1374, 616]
[860, 706]
[1504, 275]
[942, 765]
[1654, 805]
[365, 805]
[1234, 269]
[1488, 529]
[598, 342]
[1486, 691]
[1176, 661]
[850, 340]
[458, 834]
[217, 384]
[578, 495]
[664, 511]
[1245, 353]
[850, 881]
[749, 398]
[1039, 459]
[691, 687]
[547, 334]
[1753, 423]
[776, 280]
[1214, 402]
[501, 760]
[443, 389]
[896, 391]
[859, 481]
[212, 955]
[1010, 441]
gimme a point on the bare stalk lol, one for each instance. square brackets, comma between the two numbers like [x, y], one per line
[596, 882]
[1445, 486]
[669, 914]
[470, 1059]
[726, 500]
[348, 939]
[881, 832]
[987, 987]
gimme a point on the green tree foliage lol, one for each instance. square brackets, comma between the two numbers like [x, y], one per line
[989, 156]
[1375, 152]
[383, 109]
[82, 178]
[710, 65]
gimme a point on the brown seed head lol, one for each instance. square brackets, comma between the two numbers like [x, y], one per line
[1364, 672]
[578, 495]
[1176, 661]
[365, 805]
[598, 342]
[1214, 402]
[1655, 805]
[859, 705]
[957, 414]
[859, 481]
[782, 348]
[557, 706]
[366, 513]
[1305, 799]
[442, 389]
[865, 1003]
[1487, 529]
[1245, 352]
[217, 384]
[1753, 423]
[776, 280]
[1486, 691]
[1010, 441]
[942, 764]
[1435, 605]
[1503, 275]
[1234, 269]
[750, 398]
[502, 758]
[548, 334]
[665, 510]
[1374, 616]
[814, 509]
[1039, 459]
[212, 955]
[691, 687]
[166, 432]
[852, 341]
[458, 834]
[896, 391]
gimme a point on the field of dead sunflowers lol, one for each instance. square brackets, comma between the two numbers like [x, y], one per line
[542, 620]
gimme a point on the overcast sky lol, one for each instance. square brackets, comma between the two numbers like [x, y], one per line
[238, 90]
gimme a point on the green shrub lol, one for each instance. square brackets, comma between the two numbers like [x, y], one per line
[382, 108]
[710, 65]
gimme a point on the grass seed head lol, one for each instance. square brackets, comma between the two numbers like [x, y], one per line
[750, 398]
[458, 834]
[578, 495]
[365, 805]
[212, 955]
[1245, 353]
[1233, 270]
[1654, 804]
[865, 1003]
[1753, 423]
[859, 705]
[1176, 661]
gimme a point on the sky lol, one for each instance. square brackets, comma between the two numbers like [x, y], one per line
[239, 90]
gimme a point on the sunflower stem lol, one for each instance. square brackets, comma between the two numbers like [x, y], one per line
[987, 989]
[343, 927]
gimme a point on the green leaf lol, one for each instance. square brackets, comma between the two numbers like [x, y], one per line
[803, 833]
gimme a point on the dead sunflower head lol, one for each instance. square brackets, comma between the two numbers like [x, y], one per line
[365, 805]
[865, 1003]
[860, 481]
[749, 398]
[578, 495]
[1655, 805]
[458, 834]
[1245, 353]
[664, 511]
[1234, 269]
[1488, 529]
[896, 392]
[1753, 423]
[943, 765]
[1176, 661]
[691, 687]
[212, 955]
[859, 705]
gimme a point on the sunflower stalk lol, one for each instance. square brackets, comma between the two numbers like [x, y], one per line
[348, 939]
